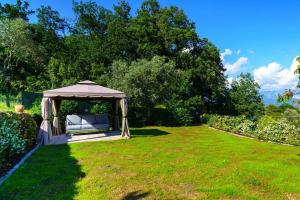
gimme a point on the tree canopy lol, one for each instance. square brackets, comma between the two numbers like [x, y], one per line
[156, 56]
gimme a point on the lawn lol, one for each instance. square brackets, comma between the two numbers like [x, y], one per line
[160, 163]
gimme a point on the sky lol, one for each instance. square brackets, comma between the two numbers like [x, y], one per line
[257, 36]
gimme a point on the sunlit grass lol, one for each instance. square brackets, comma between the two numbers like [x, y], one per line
[160, 163]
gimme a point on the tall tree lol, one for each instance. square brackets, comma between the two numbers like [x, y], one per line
[50, 20]
[245, 97]
[17, 49]
[13, 11]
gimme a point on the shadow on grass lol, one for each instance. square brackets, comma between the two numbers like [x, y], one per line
[51, 173]
[136, 195]
[147, 133]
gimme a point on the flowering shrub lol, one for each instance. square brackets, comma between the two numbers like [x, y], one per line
[266, 128]
[277, 130]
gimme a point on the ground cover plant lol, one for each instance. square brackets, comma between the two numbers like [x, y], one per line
[160, 163]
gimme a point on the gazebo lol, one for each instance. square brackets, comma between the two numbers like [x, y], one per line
[87, 90]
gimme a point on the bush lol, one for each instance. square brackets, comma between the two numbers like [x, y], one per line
[277, 130]
[17, 132]
[266, 128]
[227, 123]
[11, 143]
[25, 126]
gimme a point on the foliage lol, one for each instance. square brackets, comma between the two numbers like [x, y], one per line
[11, 143]
[245, 97]
[277, 130]
[288, 93]
[102, 107]
[155, 56]
[19, 10]
[24, 124]
[146, 83]
[17, 48]
[266, 128]
[17, 132]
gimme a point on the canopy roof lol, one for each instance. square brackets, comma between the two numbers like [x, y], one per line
[84, 89]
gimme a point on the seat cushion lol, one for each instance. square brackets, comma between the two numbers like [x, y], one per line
[101, 119]
[101, 126]
[88, 126]
[73, 127]
[88, 119]
[73, 120]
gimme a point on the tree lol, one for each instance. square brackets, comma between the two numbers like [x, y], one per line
[161, 31]
[50, 20]
[147, 83]
[92, 19]
[15, 11]
[245, 97]
[17, 49]
[289, 93]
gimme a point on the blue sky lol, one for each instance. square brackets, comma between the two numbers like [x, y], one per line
[261, 36]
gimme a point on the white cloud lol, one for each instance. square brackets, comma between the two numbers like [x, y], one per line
[275, 77]
[238, 52]
[227, 52]
[235, 67]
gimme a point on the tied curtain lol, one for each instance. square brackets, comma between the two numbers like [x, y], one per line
[56, 123]
[125, 127]
[45, 132]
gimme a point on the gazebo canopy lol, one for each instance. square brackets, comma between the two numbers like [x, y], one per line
[85, 89]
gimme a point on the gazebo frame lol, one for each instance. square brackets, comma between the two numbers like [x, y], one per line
[83, 90]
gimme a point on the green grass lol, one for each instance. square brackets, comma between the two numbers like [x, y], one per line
[4, 108]
[160, 163]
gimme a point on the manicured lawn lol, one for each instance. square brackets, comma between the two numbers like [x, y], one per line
[160, 163]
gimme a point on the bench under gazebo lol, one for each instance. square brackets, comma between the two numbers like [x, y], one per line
[84, 90]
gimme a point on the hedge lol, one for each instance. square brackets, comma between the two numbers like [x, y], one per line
[266, 128]
[17, 133]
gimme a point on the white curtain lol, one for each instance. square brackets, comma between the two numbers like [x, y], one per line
[56, 123]
[45, 132]
[125, 127]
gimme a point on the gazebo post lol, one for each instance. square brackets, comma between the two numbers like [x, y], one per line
[45, 132]
[56, 122]
[124, 108]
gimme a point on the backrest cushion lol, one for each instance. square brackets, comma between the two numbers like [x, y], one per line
[73, 119]
[101, 119]
[88, 119]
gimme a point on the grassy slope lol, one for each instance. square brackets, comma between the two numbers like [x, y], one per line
[160, 163]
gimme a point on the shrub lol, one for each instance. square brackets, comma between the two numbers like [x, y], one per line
[266, 128]
[279, 130]
[247, 127]
[11, 143]
[17, 132]
[227, 123]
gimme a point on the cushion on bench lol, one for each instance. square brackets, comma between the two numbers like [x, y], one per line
[87, 122]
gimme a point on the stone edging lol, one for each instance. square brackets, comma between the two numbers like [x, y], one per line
[12, 170]
[253, 138]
